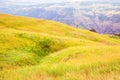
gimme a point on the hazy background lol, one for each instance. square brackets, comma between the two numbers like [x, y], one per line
[101, 15]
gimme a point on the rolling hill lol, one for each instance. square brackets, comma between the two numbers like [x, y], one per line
[38, 49]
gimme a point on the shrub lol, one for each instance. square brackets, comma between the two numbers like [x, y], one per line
[46, 46]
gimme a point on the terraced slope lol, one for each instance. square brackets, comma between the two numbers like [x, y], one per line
[37, 49]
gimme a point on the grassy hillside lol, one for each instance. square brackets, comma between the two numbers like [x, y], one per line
[36, 49]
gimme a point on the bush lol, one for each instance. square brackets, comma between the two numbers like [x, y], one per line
[46, 46]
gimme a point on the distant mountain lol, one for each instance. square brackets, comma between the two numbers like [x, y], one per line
[103, 16]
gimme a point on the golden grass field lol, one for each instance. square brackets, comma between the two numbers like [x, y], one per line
[37, 49]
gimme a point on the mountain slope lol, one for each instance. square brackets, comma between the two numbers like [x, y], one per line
[37, 49]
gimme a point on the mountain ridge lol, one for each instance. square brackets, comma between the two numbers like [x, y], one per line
[99, 15]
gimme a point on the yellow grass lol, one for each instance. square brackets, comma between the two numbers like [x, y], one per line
[36, 49]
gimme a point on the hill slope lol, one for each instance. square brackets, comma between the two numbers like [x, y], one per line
[37, 49]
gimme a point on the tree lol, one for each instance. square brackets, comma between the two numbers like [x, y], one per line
[93, 30]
